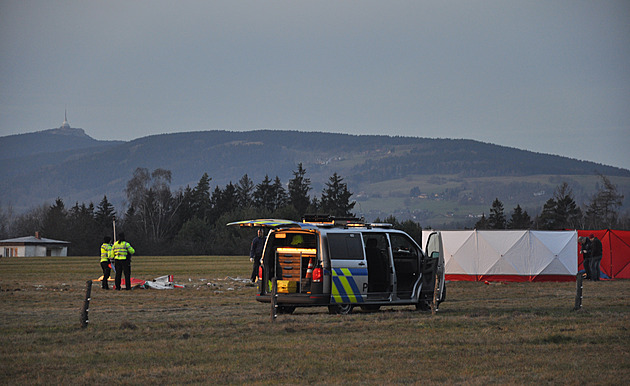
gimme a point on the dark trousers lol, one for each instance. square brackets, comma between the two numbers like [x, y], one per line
[587, 267]
[255, 268]
[595, 271]
[123, 265]
[106, 273]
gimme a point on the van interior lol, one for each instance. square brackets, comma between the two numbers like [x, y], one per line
[294, 252]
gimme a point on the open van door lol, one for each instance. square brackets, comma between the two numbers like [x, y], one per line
[432, 269]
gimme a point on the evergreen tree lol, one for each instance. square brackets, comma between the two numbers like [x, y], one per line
[496, 219]
[201, 204]
[264, 197]
[547, 218]
[85, 234]
[216, 202]
[186, 209]
[228, 199]
[568, 215]
[560, 211]
[336, 197]
[55, 224]
[410, 227]
[244, 192]
[299, 187]
[192, 238]
[279, 194]
[520, 219]
[482, 223]
[104, 216]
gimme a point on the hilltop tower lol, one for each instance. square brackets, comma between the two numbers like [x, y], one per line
[65, 124]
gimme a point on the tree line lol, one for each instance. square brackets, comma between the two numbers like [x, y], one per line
[188, 221]
[191, 221]
[561, 212]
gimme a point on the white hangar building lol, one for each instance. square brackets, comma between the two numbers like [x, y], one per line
[31, 246]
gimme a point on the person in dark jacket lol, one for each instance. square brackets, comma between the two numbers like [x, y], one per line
[585, 248]
[255, 253]
[596, 257]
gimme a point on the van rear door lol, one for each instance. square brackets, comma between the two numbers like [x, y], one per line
[348, 268]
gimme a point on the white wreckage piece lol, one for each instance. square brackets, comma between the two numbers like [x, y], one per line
[163, 282]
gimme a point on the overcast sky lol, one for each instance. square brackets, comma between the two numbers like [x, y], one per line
[547, 76]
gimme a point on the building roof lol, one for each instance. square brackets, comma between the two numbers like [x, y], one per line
[32, 240]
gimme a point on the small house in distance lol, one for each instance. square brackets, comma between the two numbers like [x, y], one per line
[31, 246]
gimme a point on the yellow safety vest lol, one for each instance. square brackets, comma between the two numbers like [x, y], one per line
[121, 249]
[106, 252]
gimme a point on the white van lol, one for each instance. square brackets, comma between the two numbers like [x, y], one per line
[343, 263]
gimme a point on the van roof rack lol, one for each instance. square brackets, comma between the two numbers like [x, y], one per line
[326, 219]
[346, 222]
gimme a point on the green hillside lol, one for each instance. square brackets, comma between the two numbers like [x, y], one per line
[430, 180]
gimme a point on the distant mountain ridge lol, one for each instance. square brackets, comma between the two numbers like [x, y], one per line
[38, 167]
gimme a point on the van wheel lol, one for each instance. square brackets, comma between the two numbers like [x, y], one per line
[286, 309]
[341, 309]
[370, 308]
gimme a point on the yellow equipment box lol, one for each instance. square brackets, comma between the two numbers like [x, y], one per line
[287, 286]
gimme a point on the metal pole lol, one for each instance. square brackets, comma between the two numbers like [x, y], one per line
[274, 290]
[111, 261]
[434, 302]
[578, 292]
[86, 304]
[274, 300]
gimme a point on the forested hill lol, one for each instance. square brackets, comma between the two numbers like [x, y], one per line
[48, 141]
[79, 168]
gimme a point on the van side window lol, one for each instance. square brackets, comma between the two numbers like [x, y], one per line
[402, 247]
[345, 246]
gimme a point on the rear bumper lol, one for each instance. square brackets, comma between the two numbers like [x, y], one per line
[296, 299]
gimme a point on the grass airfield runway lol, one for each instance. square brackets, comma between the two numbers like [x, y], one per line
[213, 331]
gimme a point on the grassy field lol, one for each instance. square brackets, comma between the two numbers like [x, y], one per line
[213, 331]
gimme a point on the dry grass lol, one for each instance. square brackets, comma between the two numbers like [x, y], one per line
[214, 332]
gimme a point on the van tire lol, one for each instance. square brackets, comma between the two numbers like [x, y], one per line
[340, 309]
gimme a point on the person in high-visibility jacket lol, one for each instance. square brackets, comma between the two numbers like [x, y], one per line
[122, 257]
[106, 254]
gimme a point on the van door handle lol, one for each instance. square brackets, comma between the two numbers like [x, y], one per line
[361, 263]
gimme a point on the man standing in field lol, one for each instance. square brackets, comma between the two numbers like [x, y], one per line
[255, 253]
[106, 254]
[122, 255]
[596, 257]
